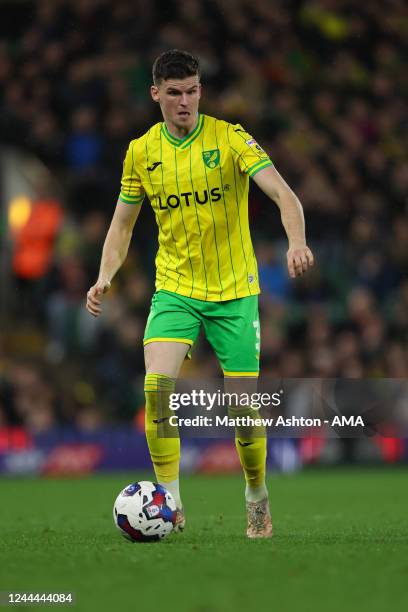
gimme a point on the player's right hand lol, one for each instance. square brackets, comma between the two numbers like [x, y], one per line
[94, 296]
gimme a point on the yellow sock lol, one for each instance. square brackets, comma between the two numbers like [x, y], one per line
[251, 446]
[162, 439]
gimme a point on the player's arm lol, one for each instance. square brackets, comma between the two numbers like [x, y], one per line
[114, 253]
[299, 256]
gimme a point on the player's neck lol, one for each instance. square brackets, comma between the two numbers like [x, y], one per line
[181, 132]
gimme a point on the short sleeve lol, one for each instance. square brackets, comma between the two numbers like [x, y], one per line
[248, 154]
[131, 191]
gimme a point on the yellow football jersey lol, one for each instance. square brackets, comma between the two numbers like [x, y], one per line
[198, 188]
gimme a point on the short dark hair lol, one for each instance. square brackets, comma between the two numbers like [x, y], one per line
[175, 64]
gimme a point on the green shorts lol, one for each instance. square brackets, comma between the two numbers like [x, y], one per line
[231, 327]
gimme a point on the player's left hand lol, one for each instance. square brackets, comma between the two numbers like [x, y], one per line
[299, 259]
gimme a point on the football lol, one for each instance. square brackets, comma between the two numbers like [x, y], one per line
[144, 512]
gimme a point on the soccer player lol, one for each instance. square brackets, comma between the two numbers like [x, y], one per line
[195, 170]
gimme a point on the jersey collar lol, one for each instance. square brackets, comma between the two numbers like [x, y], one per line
[183, 143]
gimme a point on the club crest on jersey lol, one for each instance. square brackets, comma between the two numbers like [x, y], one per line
[211, 158]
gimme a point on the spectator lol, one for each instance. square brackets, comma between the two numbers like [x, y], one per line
[314, 81]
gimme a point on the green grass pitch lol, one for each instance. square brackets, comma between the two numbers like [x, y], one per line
[340, 544]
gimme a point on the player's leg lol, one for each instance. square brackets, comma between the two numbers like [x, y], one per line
[232, 329]
[234, 333]
[251, 442]
[170, 331]
[163, 362]
[165, 357]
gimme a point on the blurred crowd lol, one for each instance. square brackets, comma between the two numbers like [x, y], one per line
[318, 83]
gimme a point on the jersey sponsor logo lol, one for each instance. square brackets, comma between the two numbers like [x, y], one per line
[211, 158]
[153, 166]
[188, 197]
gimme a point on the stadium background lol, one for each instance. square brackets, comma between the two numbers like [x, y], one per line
[319, 84]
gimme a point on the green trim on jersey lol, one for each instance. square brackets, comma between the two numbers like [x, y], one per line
[185, 142]
[129, 200]
[231, 327]
[258, 167]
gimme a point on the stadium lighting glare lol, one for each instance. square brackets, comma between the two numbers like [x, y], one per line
[19, 211]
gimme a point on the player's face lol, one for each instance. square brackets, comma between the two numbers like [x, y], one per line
[179, 99]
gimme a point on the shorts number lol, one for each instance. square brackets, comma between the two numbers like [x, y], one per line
[258, 334]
